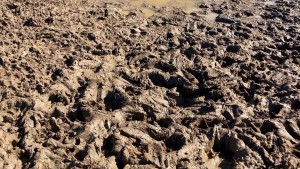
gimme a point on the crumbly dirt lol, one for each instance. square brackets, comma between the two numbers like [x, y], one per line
[83, 85]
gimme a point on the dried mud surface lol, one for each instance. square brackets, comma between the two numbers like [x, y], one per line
[84, 86]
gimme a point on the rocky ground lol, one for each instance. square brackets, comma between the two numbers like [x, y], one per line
[82, 85]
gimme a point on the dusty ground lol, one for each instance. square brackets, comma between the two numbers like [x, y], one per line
[83, 85]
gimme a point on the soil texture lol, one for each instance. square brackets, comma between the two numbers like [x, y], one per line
[97, 84]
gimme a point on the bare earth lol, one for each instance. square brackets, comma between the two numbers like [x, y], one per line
[89, 84]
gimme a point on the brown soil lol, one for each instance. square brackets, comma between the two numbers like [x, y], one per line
[84, 84]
